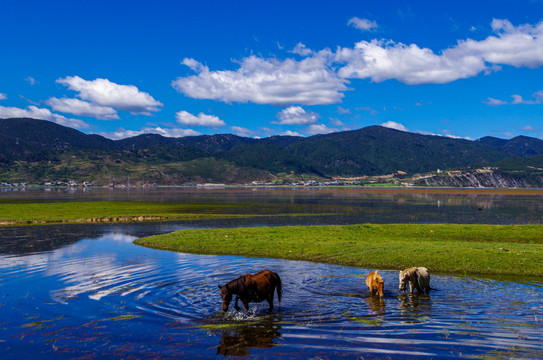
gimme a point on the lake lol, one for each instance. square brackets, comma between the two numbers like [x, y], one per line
[85, 291]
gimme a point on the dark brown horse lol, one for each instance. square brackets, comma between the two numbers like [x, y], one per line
[252, 288]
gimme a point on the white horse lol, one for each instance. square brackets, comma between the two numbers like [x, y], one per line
[417, 277]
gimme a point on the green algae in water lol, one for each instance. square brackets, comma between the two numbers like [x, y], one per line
[369, 322]
[122, 317]
[40, 324]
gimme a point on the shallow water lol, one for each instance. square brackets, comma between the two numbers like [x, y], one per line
[88, 292]
[342, 205]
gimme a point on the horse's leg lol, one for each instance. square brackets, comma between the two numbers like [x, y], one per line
[245, 303]
[411, 287]
[236, 304]
[270, 302]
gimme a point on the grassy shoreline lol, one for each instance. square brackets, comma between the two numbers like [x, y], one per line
[106, 211]
[39, 213]
[443, 248]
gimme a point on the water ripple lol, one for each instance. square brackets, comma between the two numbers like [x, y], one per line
[125, 300]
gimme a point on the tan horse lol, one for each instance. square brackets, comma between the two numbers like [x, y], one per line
[375, 283]
[417, 277]
[252, 288]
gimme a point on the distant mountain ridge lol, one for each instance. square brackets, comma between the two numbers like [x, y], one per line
[520, 146]
[373, 150]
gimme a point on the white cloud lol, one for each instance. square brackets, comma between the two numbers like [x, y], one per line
[343, 110]
[241, 131]
[194, 65]
[296, 115]
[31, 80]
[369, 109]
[106, 93]
[300, 49]
[310, 81]
[291, 133]
[517, 100]
[528, 128]
[362, 24]
[186, 118]
[448, 134]
[494, 102]
[381, 60]
[321, 77]
[520, 46]
[315, 129]
[3, 96]
[82, 108]
[35, 112]
[394, 125]
[171, 132]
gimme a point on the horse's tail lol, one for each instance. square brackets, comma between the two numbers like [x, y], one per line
[279, 287]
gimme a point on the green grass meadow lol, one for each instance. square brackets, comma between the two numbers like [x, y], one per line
[442, 248]
[108, 211]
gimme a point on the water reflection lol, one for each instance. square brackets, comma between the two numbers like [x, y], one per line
[344, 205]
[376, 305]
[101, 296]
[240, 339]
[415, 307]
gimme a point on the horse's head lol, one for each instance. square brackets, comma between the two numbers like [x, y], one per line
[226, 295]
[380, 287]
[403, 280]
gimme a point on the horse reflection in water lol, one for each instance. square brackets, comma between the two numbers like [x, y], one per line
[238, 341]
[376, 304]
[252, 288]
[415, 306]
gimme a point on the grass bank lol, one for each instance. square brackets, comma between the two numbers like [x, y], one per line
[109, 211]
[32, 213]
[443, 248]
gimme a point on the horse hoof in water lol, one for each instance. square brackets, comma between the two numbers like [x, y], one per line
[252, 288]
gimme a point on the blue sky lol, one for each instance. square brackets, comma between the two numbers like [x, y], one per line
[119, 68]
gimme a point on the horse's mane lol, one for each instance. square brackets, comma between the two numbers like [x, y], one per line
[237, 285]
[409, 273]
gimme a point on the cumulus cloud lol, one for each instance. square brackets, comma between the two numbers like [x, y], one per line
[362, 24]
[3, 96]
[394, 125]
[321, 77]
[296, 115]
[167, 132]
[82, 108]
[315, 129]
[310, 81]
[35, 112]
[520, 46]
[517, 100]
[381, 60]
[106, 93]
[186, 118]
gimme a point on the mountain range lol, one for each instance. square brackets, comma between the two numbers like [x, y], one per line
[34, 150]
